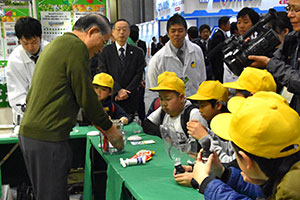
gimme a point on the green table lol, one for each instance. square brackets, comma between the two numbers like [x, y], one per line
[151, 181]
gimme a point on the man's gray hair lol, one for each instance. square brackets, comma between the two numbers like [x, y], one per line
[85, 23]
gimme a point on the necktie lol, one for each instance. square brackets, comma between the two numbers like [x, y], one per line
[179, 54]
[204, 44]
[34, 58]
[122, 56]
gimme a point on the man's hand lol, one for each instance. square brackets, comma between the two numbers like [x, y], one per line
[259, 61]
[196, 129]
[122, 95]
[114, 136]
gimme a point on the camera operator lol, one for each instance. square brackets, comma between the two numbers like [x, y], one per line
[284, 64]
[246, 17]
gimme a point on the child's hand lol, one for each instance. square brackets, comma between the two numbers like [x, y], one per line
[184, 178]
[212, 166]
[196, 129]
[124, 120]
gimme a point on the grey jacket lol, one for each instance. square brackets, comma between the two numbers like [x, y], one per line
[284, 66]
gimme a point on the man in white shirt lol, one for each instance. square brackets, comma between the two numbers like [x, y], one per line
[179, 55]
[21, 64]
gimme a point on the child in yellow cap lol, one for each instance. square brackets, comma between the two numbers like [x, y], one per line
[173, 107]
[212, 98]
[103, 86]
[251, 81]
[264, 132]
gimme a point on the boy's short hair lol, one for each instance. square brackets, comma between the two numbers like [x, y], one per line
[210, 90]
[253, 80]
[223, 21]
[176, 19]
[28, 27]
[169, 81]
[263, 125]
[253, 15]
[104, 80]
[203, 27]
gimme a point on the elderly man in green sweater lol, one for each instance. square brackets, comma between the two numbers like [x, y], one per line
[61, 85]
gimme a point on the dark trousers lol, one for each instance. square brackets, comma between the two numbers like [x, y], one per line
[48, 165]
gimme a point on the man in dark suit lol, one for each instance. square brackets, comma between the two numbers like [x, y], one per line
[125, 63]
[215, 54]
[204, 42]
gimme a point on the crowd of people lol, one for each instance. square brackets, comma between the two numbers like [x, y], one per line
[254, 132]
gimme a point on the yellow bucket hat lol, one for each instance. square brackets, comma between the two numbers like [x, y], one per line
[263, 125]
[169, 81]
[104, 80]
[210, 90]
[253, 80]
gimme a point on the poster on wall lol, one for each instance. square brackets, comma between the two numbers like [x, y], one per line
[82, 10]
[55, 24]
[10, 39]
[168, 7]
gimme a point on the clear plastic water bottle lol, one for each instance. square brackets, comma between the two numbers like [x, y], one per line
[137, 125]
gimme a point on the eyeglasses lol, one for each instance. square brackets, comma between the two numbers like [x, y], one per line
[104, 41]
[292, 9]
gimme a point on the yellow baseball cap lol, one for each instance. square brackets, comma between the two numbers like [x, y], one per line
[263, 125]
[104, 80]
[210, 90]
[169, 81]
[253, 80]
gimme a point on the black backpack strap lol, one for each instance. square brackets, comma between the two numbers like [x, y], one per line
[162, 115]
[185, 117]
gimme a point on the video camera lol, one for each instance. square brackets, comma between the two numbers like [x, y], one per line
[236, 50]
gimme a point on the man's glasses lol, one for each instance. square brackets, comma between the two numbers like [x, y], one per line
[292, 9]
[104, 41]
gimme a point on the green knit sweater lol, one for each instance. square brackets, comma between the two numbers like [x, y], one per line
[61, 84]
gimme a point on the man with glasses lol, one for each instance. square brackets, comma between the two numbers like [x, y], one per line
[125, 63]
[62, 84]
[284, 65]
[21, 64]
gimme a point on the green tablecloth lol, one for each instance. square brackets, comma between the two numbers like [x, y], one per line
[154, 180]
[78, 132]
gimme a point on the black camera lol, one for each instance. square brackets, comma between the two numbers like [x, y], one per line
[236, 50]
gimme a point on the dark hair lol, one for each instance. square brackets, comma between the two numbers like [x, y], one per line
[176, 19]
[233, 28]
[153, 37]
[213, 103]
[223, 21]
[85, 23]
[254, 16]
[193, 32]
[134, 33]
[165, 39]
[203, 27]
[28, 27]
[281, 22]
[120, 20]
[274, 174]
[245, 93]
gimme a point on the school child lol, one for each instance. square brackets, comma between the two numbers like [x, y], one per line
[212, 99]
[174, 109]
[264, 131]
[251, 81]
[103, 85]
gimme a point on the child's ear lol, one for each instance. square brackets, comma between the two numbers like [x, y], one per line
[181, 96]
[246, 159]
[218, 105]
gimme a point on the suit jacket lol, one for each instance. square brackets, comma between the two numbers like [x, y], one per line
[127, 77]
[215, 54]
[142, 45]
